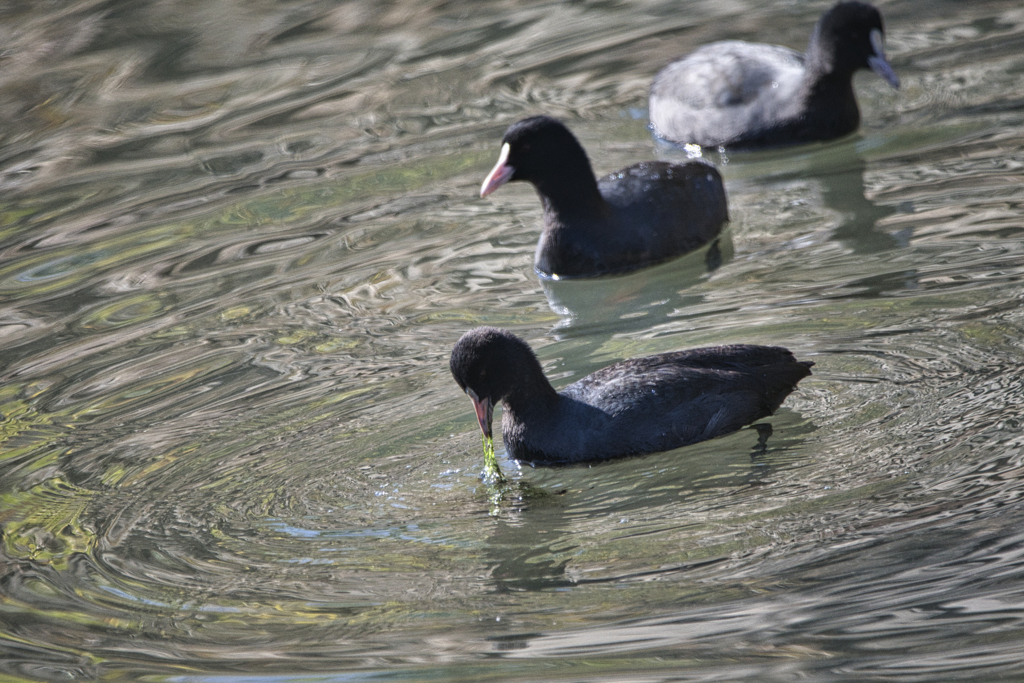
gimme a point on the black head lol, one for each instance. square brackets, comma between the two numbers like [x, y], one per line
[848, 37]
[539, 149]
[487, 363]
[488, 360]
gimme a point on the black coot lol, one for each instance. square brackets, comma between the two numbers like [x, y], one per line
[739, 94]
[641, 215]
[641, 405]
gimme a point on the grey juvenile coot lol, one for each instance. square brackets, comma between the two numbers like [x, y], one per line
[641, 215]
[641, 405]
[740, 94]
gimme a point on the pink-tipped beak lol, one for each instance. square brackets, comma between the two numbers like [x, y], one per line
[484, 409]
[499, 175]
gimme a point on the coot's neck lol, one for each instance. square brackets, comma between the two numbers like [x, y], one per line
[530, 392]
[828, 91]
[569, 190]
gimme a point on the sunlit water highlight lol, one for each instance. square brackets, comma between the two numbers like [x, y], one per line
[239, 241]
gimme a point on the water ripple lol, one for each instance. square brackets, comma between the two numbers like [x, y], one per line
[238, 243]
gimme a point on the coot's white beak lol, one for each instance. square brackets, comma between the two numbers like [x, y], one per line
[499, 175]
[484, 409]
[878, 62]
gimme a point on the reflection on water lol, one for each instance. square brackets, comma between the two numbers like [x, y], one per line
[240, 239]
[838, 168]
[610, 304]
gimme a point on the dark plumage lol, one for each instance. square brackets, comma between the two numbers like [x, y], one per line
[641, 405]
[641, 215]
[739, 94]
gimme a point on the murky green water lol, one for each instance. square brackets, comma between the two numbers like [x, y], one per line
[239, 239]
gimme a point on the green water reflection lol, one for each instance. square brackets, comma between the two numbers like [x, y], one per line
[239, 241]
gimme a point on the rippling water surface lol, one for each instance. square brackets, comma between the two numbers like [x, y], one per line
[239, 239]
